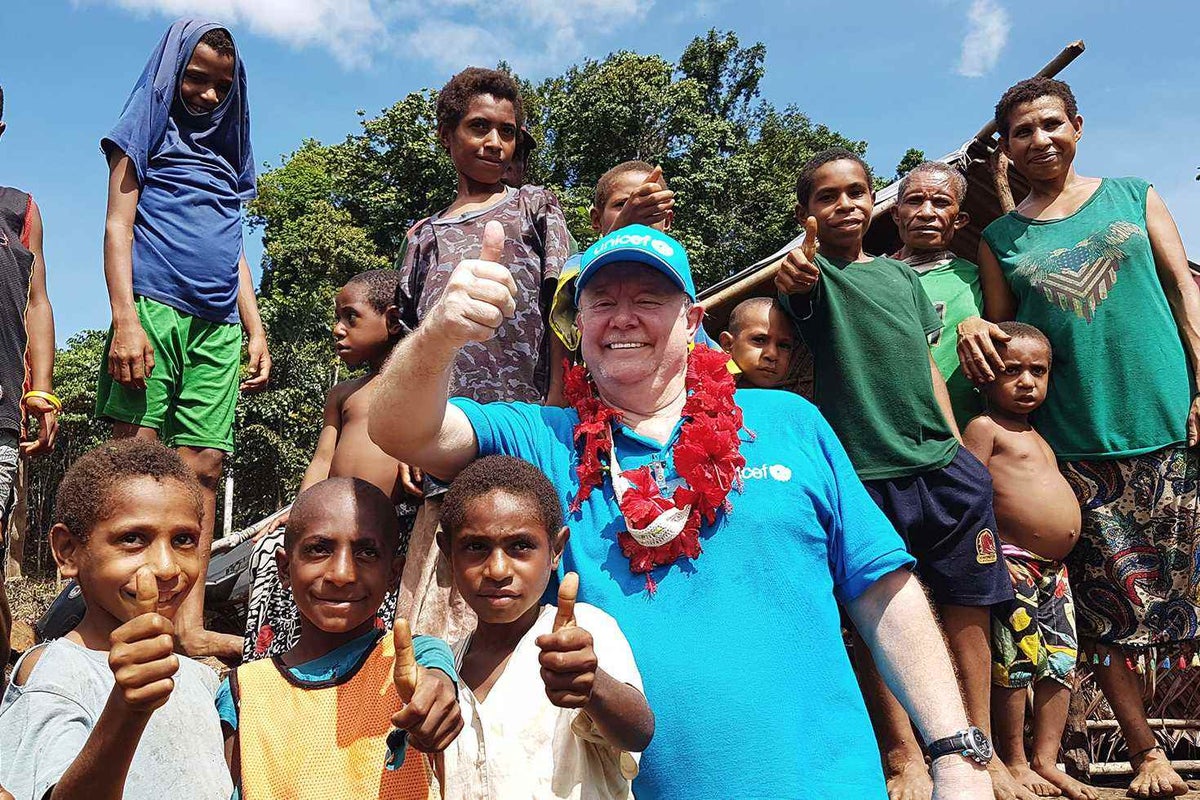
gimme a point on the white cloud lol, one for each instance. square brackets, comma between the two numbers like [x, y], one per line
[987, 34]
[535, 36]
[349, 29]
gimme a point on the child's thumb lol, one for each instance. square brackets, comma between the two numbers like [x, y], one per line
[404, 673]
[567, 591]
[655, 176]
[809, 248]
[493, 242]
[146, 588]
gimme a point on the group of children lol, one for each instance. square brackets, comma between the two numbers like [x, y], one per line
[539, 699]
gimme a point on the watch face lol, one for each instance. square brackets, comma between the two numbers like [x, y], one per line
[980, 743]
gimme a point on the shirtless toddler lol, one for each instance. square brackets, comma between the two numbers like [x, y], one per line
[1033, 635]
[366, 328]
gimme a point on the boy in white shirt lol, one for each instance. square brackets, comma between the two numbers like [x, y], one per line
[551, 699]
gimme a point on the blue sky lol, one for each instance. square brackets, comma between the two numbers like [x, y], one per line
[922, 73]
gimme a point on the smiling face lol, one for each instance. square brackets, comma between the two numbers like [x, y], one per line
[485, 139]
[635, 326]
[340, 564]
[207, 79]
[1042, 138]
[928, 214]
[361, 333]
[762, 344]
[502, 556]
[1021, 387]
[842, 202]
[152, 522]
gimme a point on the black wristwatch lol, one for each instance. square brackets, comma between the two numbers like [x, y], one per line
[971, 743]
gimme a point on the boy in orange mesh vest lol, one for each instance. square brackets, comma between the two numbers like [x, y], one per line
[331, 717]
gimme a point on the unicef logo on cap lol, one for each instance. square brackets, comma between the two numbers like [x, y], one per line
[662, 248]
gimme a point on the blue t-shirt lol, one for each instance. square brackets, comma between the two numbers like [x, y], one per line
[741, 649]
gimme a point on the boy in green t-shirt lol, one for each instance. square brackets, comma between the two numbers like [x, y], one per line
[928, 212]
[866, 320]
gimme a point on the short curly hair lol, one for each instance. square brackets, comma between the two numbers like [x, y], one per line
[804, 182]
[1023, 330]
[604, 186]
[1029, 90]
[507, 474]
[371, 507]
[220, 40]
[86, 491]
[455, 97]
[380, 287]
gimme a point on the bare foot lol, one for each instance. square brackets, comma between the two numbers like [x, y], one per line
[1034, 782]
[1069, 786]
[1004, 785]
[200, 643]
[910, 782]
[1155, 777]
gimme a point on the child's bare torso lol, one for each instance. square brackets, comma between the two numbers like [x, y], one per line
[356, 455]
[1035, 507]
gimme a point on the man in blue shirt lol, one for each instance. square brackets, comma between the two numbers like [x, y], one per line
[741, 644]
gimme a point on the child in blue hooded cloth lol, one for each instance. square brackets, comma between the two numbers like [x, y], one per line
[180, 167]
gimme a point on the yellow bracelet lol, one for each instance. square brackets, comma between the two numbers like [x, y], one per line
[49, 397]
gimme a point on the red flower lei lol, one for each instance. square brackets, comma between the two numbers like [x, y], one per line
[706, 456]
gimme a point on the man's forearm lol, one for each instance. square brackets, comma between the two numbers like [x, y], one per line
[408, 404]
[100, 769]
[895, 619]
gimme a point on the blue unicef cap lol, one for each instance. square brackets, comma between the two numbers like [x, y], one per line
[643, 245]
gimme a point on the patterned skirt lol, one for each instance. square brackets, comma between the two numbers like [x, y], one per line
[1136, 571]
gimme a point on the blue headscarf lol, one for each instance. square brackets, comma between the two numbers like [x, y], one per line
[194, 172]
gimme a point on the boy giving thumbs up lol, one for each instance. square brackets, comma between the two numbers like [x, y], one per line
[350, 710]
[551, 697]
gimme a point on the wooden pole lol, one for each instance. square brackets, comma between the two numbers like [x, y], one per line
[1052, 68]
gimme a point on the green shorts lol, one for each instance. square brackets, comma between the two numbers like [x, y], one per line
[191, 394]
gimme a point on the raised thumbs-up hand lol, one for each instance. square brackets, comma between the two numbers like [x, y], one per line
[568, 660]
[798, 273]
[141, 652]
[429, 704]
[650, 204]
[480, 295]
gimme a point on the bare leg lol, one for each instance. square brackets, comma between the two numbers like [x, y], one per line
[1153, 774]
[1008, 716]
[969, 635]
[903, 761]
[1051, 701]
[192, 637]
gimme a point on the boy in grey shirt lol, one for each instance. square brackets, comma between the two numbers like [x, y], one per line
[109, 711]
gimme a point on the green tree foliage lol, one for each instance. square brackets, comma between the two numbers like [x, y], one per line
[328, 212]
[76, 368]
[911, 159]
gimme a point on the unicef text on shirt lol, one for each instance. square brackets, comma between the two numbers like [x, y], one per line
[778, 472]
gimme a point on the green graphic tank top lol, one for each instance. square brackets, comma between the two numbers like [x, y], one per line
[1120, 382]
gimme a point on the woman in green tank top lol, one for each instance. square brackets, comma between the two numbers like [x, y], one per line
[1098, 265]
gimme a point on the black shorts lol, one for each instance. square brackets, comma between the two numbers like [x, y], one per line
[946, 520]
